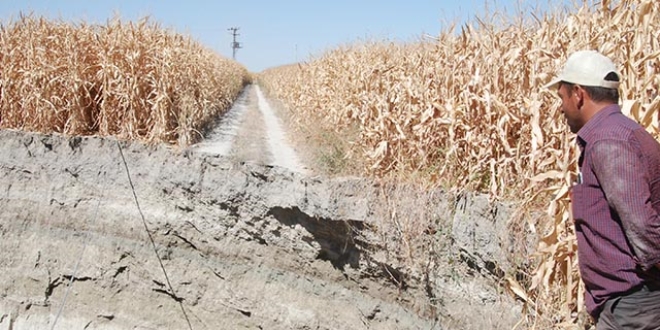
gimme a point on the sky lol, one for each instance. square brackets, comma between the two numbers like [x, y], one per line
[273, 32]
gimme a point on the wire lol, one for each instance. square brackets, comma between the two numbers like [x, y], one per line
[153, 244]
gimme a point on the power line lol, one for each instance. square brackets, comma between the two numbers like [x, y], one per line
[235, 45]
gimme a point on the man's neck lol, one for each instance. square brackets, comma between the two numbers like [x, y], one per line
[592, 108]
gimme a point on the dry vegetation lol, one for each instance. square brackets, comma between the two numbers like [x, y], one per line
[131, 80]
[467, 111]
[464, 112]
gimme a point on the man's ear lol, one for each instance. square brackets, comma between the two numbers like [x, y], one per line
[577, 89]
[580, 94]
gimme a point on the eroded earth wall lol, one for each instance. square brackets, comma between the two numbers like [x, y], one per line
[243, 246]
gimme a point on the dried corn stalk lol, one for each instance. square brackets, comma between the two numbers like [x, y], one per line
[468, 110]
[132, 80]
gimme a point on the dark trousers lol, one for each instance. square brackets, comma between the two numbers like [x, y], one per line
[639, 309]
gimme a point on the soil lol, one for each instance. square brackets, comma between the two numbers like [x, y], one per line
[232, 233]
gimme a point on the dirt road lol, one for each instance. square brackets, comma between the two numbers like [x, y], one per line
[228, 234]
[251, 132]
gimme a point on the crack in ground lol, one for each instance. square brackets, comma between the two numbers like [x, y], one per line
[52, 284]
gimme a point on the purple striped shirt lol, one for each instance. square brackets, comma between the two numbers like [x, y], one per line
[616, 207]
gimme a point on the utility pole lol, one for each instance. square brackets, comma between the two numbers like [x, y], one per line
[234, 45]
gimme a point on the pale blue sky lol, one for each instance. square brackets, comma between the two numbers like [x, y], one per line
[277, 32]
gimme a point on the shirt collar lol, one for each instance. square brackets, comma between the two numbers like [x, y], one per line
[589, 129]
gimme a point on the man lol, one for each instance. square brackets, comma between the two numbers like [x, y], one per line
[616, 201]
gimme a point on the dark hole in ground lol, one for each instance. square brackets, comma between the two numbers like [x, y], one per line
[336, 237]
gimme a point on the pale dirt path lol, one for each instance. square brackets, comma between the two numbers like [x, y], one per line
[251, 132]
[283, 154]
[251, 141]
[220, 140]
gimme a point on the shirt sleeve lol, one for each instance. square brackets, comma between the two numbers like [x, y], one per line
[622, 175]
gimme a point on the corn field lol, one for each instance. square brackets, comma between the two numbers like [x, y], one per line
[467, 111]
[130, 80]
[464, 111]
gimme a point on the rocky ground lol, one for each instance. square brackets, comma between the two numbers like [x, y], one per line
[234, 233]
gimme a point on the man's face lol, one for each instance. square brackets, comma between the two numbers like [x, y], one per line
[570, 106]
